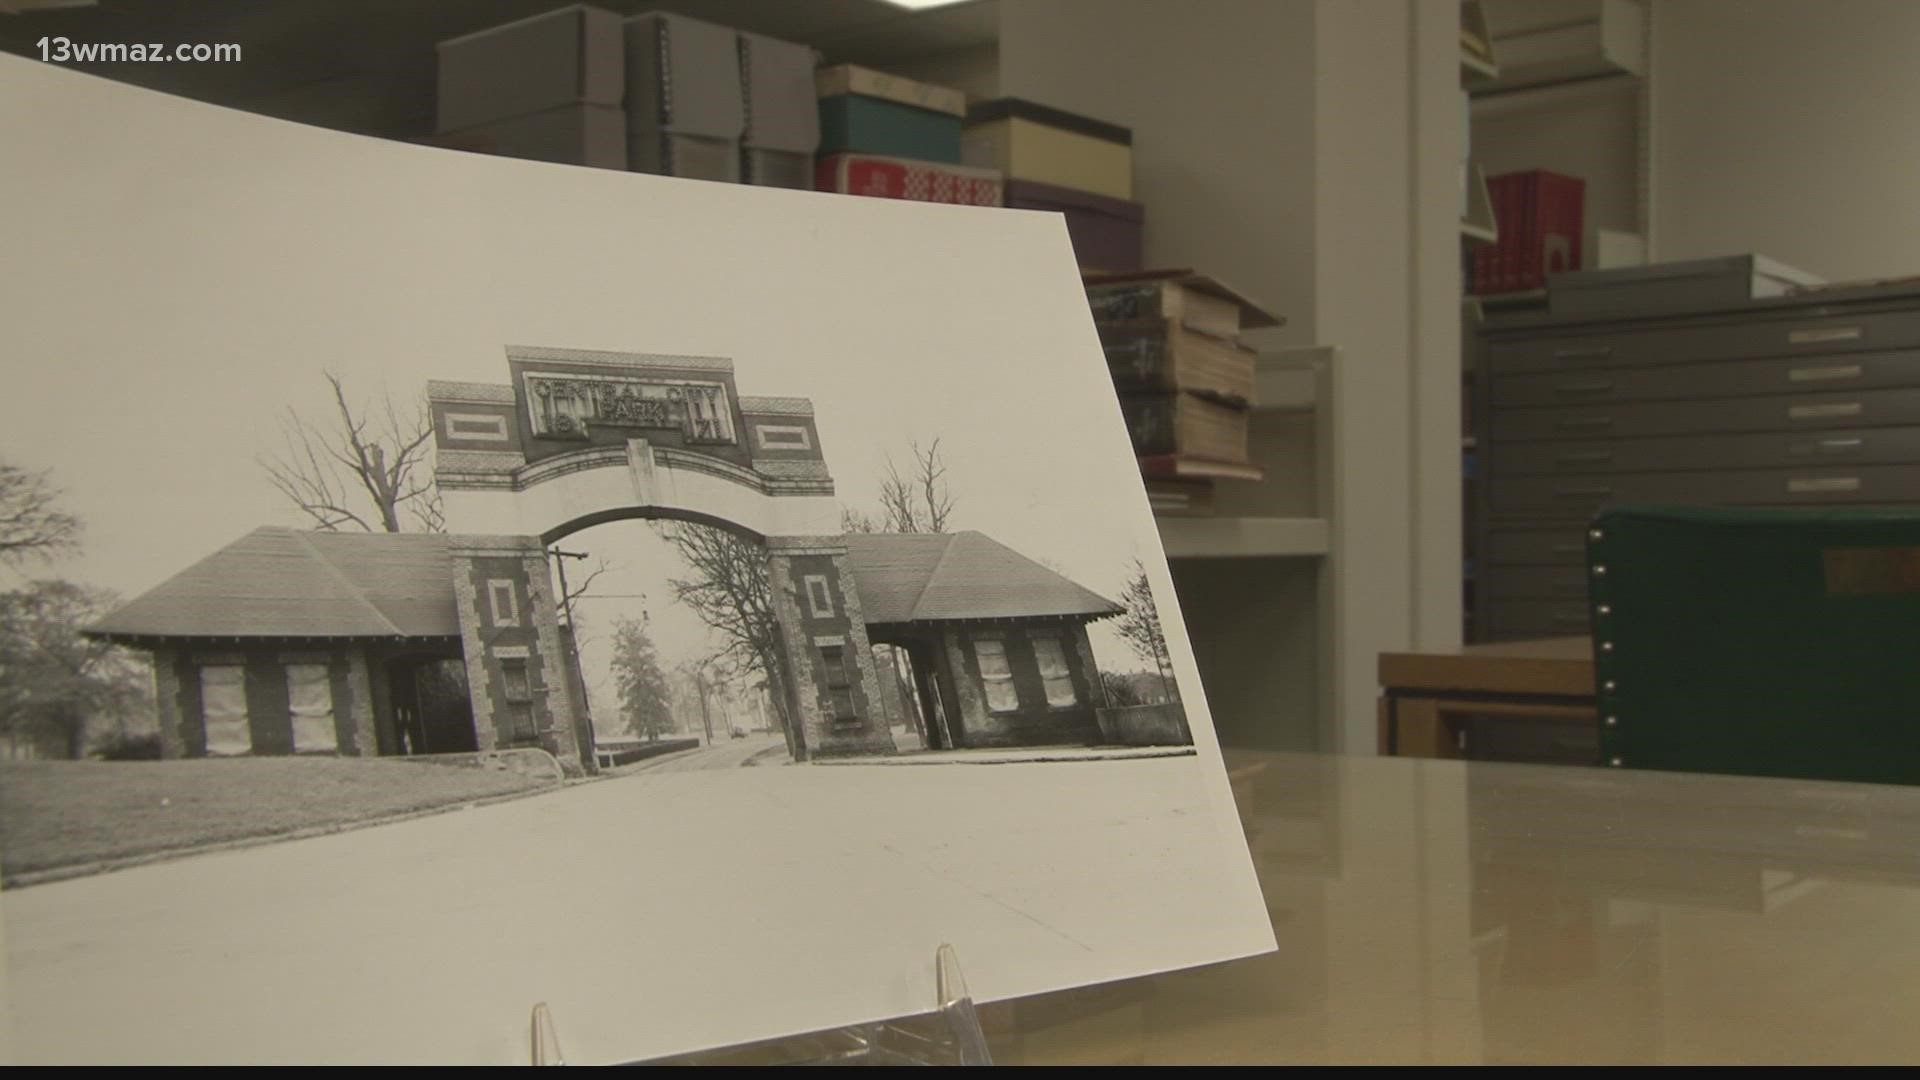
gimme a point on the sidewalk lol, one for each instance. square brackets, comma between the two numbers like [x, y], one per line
[1012, 755]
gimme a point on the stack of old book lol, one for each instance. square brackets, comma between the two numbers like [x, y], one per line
[1186, 383]
[894, 138]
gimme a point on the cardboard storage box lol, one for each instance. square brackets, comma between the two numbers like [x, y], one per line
[694, 157]
[897, 178]
[593, 135]
[1700, 283]
[782, 123]
[776, 168]
[685, 106]
[573, 56]
[1026, 141]
[853, 79]
[855, 123]
[1108, 234]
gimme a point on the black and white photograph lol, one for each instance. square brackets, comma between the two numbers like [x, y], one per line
[433, 585]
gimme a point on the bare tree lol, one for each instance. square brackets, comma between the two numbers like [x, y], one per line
[917, 501]
[32, 528]
[1140, 628]
[858, 521]
[362, 468]
[728, 590]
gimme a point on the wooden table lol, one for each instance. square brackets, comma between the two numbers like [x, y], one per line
[1424, 697]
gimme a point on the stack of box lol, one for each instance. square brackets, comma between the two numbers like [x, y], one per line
[1541, 223]
[658, 93]
[1070, 164]
[1172, 342]
[895, 138]
[782, 126]
[549, 88]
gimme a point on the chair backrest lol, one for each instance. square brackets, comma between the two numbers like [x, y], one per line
[1759, 642]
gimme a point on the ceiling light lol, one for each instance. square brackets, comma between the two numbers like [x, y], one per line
[922, 5]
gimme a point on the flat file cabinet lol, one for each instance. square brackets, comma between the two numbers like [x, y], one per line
[1807, 400]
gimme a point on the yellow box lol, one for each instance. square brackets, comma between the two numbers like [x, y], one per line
[1028, 142]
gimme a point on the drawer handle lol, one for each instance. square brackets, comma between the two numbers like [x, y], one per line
[1569, 588]
[1823, 412]
[1598, 386]
[1813, 447]
[1828, 373]
[1584, 423]
[1806, 486]
[1585, 457]
[1815, 335]
[1591, 352]
[1569, 549]
[1583, 493]
[1568, 618]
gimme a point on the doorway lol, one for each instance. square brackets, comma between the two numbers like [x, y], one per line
[432, 713]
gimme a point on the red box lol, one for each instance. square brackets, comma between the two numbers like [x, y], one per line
[1541, 218]
[901, 178]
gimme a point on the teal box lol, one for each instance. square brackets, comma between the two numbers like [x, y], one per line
[859, 124]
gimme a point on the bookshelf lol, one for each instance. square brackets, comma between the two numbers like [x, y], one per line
[1280, 517]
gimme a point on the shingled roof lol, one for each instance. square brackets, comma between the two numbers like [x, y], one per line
[284, 583]
[918, 577]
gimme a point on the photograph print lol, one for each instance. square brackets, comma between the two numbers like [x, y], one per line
[434, 585]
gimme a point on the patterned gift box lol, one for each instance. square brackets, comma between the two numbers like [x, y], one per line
[899, 178]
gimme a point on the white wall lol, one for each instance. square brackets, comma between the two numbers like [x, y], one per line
[1219, 96]
[1387, 292]
[974, 72]
[1787, 128]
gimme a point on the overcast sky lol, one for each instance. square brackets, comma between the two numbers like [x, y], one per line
[176, 275]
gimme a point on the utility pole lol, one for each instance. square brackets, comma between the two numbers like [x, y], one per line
[700, 684]
[573, 640]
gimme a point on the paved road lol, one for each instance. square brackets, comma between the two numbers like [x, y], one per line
[654, 913]
[725, 753]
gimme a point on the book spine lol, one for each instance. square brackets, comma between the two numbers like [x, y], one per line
[1118, 303]
[1138, 359]
[1150, 424]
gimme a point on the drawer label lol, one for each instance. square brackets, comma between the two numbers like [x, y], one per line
[1824, 374]
[1826, 484]
[1817, 335]
[1822, 412]
[1872, 571]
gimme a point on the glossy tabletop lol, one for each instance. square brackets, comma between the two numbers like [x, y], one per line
[1435, 911]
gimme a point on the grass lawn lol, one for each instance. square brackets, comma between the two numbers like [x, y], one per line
[61, 813]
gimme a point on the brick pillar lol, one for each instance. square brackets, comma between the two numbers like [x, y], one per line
[508, 617]
[166, 702]
[360, 704]
[818, 610]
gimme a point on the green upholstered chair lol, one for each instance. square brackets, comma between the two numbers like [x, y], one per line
[1759, 642]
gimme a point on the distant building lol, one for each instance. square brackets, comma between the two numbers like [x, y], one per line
[288, 642]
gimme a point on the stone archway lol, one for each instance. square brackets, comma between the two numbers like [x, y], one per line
[579, 437]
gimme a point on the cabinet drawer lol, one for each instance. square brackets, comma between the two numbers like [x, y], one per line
[1866, 446]
[1566, 582]
[1737, 378]
[1536, 547]
[1511, 620]
[1796, 412]
[1816, 334]
[1749, 487]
